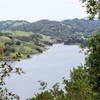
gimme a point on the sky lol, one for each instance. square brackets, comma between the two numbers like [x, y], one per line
[34, 10]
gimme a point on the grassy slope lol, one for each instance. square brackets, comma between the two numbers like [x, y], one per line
[4, 39]
[16, 33]
[33, 46]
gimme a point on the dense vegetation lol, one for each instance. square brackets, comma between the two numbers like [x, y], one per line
[68, 31]
[23, 43]
[92, 8]
[84, 83]
[21, 39]
[30, 38]
[6, 25]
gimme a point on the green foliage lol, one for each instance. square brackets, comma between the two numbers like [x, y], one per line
[63, 31]
[92, 8]
[68, 31]
[93, 62]
[19, 23]
[5, 71]
[15, 33]
[57, 93]
[27, 43]
[46, 95]
[5, 25]
[77, 88]
[43, 85]
[4, 39]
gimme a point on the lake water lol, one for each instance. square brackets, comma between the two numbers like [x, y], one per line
[50, 66]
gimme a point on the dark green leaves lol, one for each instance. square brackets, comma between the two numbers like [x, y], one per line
[92, 8]
[5, 71]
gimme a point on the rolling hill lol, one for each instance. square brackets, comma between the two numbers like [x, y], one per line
[67, 30]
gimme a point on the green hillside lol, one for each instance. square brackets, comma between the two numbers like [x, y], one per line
[68, 31]
[10, 24]
[23, 43]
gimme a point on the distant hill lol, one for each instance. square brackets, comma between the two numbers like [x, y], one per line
[82, 25]
[10, 24]
[66, 30]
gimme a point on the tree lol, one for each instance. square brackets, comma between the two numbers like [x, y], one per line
[78, 87]
[93, 62]
[5, 71]
[92, 8]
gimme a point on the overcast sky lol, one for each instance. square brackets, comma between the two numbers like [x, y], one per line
[33, 10]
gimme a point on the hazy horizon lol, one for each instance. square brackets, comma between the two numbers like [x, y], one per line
[41, 19]
[34, 10]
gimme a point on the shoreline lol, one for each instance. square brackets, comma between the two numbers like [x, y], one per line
[30, 55]
[21, 58]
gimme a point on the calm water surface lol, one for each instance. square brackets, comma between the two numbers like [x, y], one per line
[49, 66]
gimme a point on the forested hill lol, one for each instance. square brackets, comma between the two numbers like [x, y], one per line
[68, 30]
[82, 25]
[79, 25]
[10, 24]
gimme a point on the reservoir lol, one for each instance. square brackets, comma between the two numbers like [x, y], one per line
[50, 66]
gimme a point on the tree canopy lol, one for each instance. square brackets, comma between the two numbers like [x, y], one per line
[92, 8]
